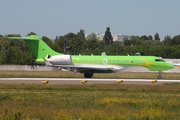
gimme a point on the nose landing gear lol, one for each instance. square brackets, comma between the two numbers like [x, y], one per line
[159, 76]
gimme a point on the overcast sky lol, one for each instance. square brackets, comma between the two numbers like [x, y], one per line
[53, 18]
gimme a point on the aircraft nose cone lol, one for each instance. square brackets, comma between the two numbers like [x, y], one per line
[170, 66]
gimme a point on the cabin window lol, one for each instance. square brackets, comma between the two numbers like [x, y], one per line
[159, 60]
[141, 61]
[109, 61]
[114, 61]
[118, 61]
[132, 61]
[82, 60]
[122, 61]
[101, 61]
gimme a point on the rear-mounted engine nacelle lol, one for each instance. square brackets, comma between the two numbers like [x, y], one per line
[59, 59]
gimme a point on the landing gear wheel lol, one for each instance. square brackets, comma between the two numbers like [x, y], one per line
[88, 75]
[159, 76]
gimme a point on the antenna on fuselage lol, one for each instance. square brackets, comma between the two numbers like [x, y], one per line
[138, 54]
[103, 54]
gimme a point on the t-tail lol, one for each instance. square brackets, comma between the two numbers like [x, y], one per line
[38, 47]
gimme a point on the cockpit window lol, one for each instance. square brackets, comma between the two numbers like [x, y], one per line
[159, 60]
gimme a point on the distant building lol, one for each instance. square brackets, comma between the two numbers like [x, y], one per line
[99, 36]
[118, 37]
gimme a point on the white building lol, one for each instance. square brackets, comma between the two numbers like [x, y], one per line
[118, 37]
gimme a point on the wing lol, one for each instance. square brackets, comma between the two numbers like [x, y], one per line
[89, 68]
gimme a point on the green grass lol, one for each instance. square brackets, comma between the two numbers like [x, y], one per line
[89, 102]
[64, 74]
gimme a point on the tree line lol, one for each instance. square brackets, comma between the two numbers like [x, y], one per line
[17, 52]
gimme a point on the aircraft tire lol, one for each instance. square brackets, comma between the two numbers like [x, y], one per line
[159, 77]
[88, 75]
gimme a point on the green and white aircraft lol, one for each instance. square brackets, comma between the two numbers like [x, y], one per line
[90, 64]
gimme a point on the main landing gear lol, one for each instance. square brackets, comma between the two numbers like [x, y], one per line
[88, 75]
[159, 76]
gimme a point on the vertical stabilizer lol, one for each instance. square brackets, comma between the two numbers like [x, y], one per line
[37, 46]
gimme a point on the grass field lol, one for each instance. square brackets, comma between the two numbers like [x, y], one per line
[89, 102]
